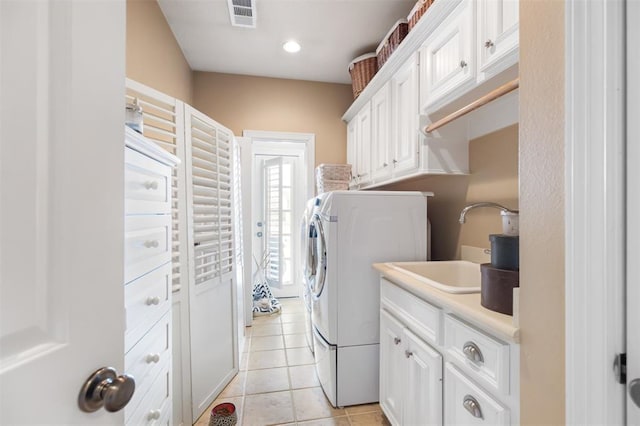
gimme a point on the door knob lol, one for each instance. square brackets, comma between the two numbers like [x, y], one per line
[105, 388]
[634, 391]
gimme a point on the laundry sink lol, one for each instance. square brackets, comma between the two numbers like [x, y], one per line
[452, 276]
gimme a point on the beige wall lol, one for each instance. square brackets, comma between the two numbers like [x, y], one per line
[542, 211]
[493, 163]
[258, 103]
[153, 55]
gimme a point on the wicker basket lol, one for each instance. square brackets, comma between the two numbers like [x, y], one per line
[332, 185]
[362, 70]
[418, 10]
[391, 41]
[333, 172]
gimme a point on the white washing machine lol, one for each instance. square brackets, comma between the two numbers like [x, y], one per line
[308, 259]
[352, 230]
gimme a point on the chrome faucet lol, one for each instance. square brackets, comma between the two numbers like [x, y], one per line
[484, 204]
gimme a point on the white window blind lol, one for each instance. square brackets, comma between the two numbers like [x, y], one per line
[273, 218]
[162, 117]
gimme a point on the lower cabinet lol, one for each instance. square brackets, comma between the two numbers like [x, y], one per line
[410, 375]
[437, 369]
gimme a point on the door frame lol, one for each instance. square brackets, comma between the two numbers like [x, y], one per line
[246, 147]
[594, 210]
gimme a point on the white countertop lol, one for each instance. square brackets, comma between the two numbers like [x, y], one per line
[466, 306]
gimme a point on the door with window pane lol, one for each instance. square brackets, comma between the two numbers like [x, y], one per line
[278, 204]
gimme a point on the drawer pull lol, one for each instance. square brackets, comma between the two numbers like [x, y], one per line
[155, 358]
[153, 301]
[151, 185]
[471, 405]
[472, 352]
[151, 243]
[153, 415]
[408, 354]
[396, 340]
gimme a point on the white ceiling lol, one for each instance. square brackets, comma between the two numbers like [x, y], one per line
[332, 33]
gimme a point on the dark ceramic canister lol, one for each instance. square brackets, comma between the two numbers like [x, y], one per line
[496, 289]
[505, 252]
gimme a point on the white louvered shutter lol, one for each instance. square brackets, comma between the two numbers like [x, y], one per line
[273, 219]
[163, 125]
[225, 194]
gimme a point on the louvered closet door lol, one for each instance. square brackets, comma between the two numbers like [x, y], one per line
[163, 125]
[210, 237]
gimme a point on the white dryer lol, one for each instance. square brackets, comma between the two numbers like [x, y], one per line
[353, 230]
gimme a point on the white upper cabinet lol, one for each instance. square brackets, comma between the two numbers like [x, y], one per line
[448, 64]
[359, 150]
[497, 36]
[381, 134]
[406, 135]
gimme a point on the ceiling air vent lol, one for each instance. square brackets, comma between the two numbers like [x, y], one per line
[242, 13]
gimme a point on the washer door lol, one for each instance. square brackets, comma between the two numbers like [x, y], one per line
[310, 254]
[320, 257]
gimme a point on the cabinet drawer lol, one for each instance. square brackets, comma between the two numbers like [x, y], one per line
[421, 317]
[147, 244]
[467, 404]
[155, 407]
[147, 184]
[149, 358]
[483, 357]
[140, 297]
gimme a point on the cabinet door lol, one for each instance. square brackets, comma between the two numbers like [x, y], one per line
[380, 134]
[447, 59]
[363, 145]
[497, 36]
[392, 367]
[352, 140]
[406, 136]
[423, 404]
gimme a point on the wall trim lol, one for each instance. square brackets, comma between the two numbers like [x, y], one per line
[595, 203]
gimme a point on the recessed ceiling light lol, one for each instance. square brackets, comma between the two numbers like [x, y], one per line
[291, 46]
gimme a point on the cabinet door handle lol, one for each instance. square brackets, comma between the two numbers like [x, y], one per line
[384, 164]
[153, 358]
[488, 44]
[463, 64]
[472, 352]
[151, 243]
[151, 185]
[153, 301]
[471, 405]
[153, 415]
[396, 340]
[408, 354]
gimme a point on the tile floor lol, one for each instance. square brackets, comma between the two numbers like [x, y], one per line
[277, 383]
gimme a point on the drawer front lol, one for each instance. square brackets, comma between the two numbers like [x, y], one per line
[146, 300]
[421, 317]
[483, 357]
[147, 184]
[155, 407]
[465, 403]
[147, 244]
[149, 358]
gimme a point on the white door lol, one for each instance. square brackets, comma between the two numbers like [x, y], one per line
[392, 368]
[381, 134]
[61, 206]
[633, 213]
[406, 138]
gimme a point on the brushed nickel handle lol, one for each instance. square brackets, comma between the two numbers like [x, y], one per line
[408, 354]
[472, 352]
[472, 406]
[104, 388]
[634, 391]
[396, 340]
[488, 44]
[463, 64]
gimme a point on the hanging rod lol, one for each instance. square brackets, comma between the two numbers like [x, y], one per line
[495, 94]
